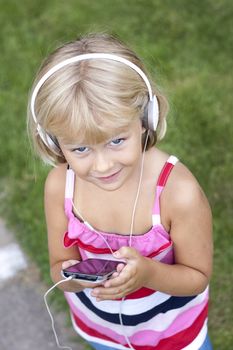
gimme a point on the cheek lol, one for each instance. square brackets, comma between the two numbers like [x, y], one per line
[132, 157]
[79, 166]
[136, 150]
[81, 169]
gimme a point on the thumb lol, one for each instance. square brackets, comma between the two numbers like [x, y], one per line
[69, 263]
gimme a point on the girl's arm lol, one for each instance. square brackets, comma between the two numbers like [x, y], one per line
[56, 220]
[191, 231]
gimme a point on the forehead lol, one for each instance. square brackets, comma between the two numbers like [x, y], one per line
[94, 136]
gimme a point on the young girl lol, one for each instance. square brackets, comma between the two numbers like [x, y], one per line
[113, 194]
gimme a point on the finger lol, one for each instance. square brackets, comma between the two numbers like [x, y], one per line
[110, 293]
[123, 277]
[115, 292]
[120, 267]
[69, 263]
[114, 275]
[104, 295]
[117, 273]
[100, 291]
[115, 281]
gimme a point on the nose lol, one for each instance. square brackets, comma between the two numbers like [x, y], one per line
[102, 163]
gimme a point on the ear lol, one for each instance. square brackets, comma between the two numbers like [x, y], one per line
[143, 130]
[143, 126]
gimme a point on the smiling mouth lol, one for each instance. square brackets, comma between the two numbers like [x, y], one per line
[109, 177]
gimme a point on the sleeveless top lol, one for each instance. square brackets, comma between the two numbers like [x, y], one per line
[152, 320]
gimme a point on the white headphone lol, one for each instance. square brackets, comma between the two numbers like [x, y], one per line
[153, 108]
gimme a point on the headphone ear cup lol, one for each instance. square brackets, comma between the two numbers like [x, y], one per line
[153, 114]
[48, 140]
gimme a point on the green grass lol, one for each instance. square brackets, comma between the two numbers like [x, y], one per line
[188, 47]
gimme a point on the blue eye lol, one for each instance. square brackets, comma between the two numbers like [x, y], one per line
[117, 142]
[82, 149]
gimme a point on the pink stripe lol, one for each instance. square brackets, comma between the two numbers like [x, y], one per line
[148, 337]
[68, 207]
[156, 208]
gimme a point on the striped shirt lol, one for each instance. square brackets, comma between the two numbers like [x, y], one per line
[151, 320]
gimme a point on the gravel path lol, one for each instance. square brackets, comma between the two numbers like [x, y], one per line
[24, 322]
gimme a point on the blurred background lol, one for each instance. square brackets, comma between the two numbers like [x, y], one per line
[187, 46]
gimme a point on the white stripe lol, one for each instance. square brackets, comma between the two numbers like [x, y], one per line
[90, 255]
[12, 261]
[163, 253]
[199, 340]
[69, 184]
[156, 220]
[173, 160]
[133, 306]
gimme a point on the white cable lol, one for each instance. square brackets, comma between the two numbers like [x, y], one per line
[131, 233]
[138, 190]
[122, 324]
[51, 316]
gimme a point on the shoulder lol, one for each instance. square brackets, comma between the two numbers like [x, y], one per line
[55, 182]
[183, 194]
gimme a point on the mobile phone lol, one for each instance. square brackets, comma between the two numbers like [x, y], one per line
[92, 270]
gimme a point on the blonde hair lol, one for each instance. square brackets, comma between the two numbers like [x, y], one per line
[89, 100]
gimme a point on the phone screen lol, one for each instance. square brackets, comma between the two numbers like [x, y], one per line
[97, 267]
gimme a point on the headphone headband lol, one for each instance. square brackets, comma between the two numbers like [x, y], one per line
[153, 109]
[84, 57]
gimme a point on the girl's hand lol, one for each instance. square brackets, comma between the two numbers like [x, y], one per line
[127, 279]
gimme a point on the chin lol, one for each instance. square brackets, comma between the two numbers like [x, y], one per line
[109, 187]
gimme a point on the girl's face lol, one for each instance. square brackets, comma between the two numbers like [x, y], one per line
[110, 164]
